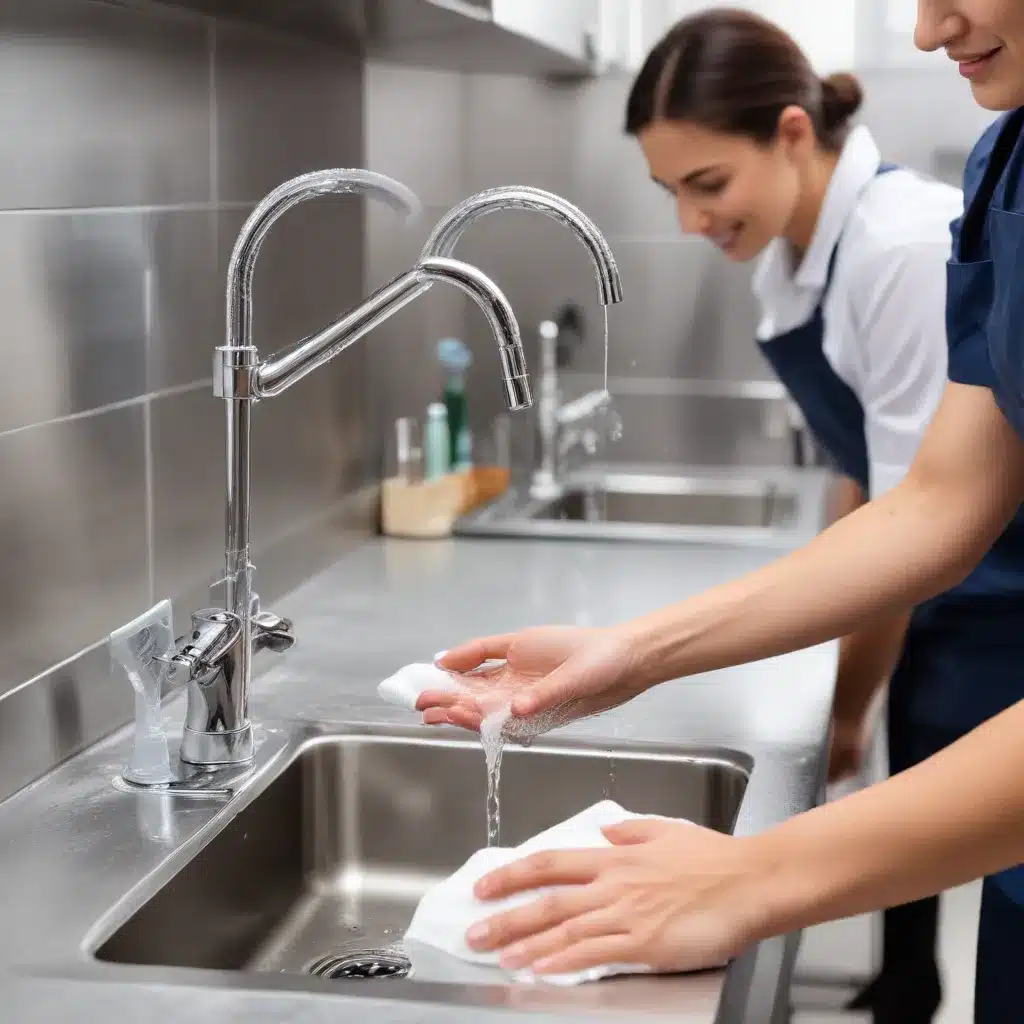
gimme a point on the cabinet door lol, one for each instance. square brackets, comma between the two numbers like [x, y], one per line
[885, 36]
[621, 44]
[570, 26]
[826, 31]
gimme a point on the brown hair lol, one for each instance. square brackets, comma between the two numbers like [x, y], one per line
[735, 72]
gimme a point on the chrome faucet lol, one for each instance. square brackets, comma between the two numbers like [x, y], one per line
[215, 661]
[563, 426]
[449, 229]
[442, 242]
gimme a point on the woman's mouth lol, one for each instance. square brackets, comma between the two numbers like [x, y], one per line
[975, 65]
[726, 240]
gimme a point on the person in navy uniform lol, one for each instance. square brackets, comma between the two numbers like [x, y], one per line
[759, 156]
[941, 546]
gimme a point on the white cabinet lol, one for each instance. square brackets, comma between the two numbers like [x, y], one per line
[620, 40]
[571, 27]
[827, 31]
[885, 36]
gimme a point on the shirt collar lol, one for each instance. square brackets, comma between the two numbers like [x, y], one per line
[858, 164]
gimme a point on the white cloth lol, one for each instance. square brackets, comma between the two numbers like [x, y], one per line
[885, 329]
[450, 909]
[405, 686]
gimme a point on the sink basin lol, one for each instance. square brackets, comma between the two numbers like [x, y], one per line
[333, 856]
[682, 502]
[650, 506]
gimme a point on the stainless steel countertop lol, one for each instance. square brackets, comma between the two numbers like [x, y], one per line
[72, 845]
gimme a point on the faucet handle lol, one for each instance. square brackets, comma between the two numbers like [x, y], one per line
[214, 633]
[272, 632]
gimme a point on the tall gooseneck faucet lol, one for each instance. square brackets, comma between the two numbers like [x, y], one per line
[215, 659]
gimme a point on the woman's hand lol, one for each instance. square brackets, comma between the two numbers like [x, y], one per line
[560, 673]
[668, 895]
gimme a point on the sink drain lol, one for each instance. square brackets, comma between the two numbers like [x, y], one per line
[364, 964]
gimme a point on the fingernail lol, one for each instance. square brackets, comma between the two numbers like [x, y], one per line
[478, 934]
[543, 966]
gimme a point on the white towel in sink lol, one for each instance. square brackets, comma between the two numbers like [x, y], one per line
[450, 909]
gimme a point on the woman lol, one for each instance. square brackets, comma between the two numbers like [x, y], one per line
[678, 897]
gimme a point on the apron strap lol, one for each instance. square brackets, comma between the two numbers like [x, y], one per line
[973, 224]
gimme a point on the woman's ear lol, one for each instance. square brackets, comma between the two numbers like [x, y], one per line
[795, 131]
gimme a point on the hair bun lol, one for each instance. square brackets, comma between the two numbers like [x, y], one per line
[841, 97]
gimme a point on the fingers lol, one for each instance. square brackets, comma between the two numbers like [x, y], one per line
[463, 717]
[602, 922]
[438, 699]
[473, 654]
[536, 918]
[636, 831]
[540, 870]
[594, 952]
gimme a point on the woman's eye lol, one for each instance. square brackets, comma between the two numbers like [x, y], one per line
[711, 188]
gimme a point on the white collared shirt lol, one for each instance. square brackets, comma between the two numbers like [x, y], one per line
[885, 312]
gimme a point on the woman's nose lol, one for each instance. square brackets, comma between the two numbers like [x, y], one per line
[692, 220]
[938, 24]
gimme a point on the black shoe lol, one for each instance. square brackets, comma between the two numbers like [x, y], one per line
[864, 999]
[914, 998]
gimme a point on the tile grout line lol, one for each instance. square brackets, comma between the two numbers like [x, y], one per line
[143, 208]
[147, 431]
[127, 403]
[214, 116]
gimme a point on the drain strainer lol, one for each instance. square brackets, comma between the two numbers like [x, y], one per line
[366, 964]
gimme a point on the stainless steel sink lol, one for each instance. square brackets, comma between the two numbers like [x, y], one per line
[332, 857]
[606, 504]
[672, 502]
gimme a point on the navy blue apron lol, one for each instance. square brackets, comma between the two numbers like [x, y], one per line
[979, 672]
[832, 410]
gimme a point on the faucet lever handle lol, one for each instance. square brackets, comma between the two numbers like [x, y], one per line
[272, 632]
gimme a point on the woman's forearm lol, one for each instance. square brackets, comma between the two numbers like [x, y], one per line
[873, 564]
[951, 819]
[913, 542]
[866, 662]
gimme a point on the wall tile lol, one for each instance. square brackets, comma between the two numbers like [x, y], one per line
[104, 105]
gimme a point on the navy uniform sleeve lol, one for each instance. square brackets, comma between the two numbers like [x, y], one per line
[969, 360]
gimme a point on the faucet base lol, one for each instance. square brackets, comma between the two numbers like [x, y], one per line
[191, 780]
[211, 749]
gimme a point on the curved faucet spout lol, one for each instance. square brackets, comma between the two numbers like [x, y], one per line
[334, 180]
[278, 373]
[446, 234]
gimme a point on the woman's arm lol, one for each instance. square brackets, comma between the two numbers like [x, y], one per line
[866, 661]
[955, 817]
[677, 897]
[916, 540]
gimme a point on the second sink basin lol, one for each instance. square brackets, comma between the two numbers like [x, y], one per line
[684, 501]
[331, 859]
[607, 504]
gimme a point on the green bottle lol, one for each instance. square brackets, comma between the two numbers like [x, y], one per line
[456, 359]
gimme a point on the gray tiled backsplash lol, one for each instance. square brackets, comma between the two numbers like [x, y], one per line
[283, 107]
[103, 106]
[112, 309]
[73, 519]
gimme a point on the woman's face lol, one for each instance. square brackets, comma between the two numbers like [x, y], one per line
[985, 38]
[736, 193]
